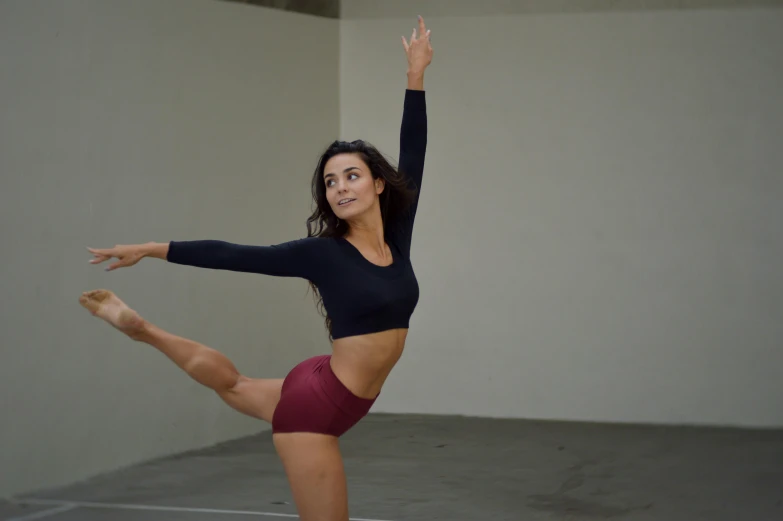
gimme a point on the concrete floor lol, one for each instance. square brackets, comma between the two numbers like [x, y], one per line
[417, 468]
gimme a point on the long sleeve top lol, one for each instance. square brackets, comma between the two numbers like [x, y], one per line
[360, 297]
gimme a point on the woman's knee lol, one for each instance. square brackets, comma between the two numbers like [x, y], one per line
[213, 369]
[255, 397]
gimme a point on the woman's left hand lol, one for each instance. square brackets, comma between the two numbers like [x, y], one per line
[419, 50]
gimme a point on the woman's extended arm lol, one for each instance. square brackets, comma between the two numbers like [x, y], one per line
[297, 258]
[413, 131]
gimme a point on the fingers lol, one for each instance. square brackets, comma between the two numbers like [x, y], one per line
[422, 27]
[100, 255]
[423, 33]
[423, 30]
[124, 258]
[111, 252]
[112, 267]
[99, 258]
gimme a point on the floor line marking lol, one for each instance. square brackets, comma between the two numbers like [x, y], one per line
[64, 507]
[123, 506]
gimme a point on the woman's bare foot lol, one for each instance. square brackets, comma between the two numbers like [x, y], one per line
[106, 305]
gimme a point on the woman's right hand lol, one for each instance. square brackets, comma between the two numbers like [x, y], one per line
[418, 50]
[127, 255]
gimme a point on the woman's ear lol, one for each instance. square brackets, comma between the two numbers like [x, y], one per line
[380, 183]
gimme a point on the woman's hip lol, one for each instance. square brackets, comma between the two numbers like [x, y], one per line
[313, 399]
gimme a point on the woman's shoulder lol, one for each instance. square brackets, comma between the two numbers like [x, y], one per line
[315, 245]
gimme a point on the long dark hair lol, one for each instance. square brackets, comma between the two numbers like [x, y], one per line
[394, 200]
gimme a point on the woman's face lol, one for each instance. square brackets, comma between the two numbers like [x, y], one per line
[350, 187]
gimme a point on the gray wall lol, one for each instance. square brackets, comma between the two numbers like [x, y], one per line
[127, 122]
[357, 9]
[599, 231]
[596, 238]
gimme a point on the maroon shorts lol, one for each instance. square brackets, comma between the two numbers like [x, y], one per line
[314, 400]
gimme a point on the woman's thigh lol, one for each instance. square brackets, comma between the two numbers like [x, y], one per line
[259, 397]
[256, 397]
[314, 467]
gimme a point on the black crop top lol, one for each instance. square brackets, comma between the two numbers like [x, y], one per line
[359, 296]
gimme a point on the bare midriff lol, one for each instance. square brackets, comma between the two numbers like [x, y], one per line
[362, 363]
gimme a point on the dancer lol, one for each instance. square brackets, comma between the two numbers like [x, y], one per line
[356, 257]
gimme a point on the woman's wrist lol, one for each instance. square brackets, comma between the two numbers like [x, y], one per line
[415, 79]
[156, 250]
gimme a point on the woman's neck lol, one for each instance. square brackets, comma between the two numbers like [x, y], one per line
[368, 233]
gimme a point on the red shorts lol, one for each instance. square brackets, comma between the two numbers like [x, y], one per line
[314, 400]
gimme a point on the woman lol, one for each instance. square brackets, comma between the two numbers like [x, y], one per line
[358, 261]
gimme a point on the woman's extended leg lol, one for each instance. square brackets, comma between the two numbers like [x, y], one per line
[254, 397]
[314, 467]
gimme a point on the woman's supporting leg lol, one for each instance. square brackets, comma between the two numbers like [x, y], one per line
[314, 467]
[254, 397]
